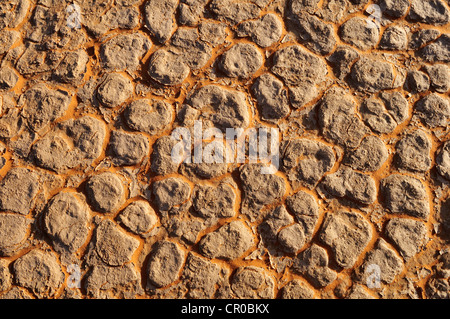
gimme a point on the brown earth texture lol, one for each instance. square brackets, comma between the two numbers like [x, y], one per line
[92, 204]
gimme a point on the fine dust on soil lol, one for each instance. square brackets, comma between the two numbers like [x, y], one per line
[93, 207]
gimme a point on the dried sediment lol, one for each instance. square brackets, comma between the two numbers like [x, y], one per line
[87, 179]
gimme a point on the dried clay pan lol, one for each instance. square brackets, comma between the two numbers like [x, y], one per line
[224, 149]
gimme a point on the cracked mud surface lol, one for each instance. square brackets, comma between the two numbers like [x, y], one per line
[86, 176]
